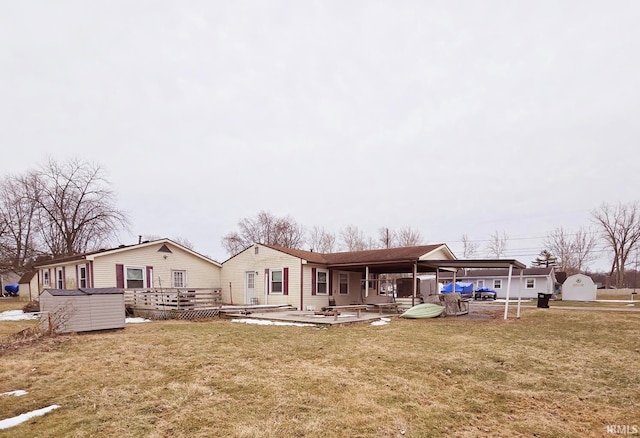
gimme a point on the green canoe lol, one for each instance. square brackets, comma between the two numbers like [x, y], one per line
[427, 310]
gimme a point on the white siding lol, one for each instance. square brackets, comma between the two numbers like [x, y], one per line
[234, 271]
[200, 273]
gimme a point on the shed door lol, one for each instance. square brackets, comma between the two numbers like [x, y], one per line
[250, 288]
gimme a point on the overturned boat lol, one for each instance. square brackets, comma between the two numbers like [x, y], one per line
[426, 310]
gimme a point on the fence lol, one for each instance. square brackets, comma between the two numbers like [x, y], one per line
[172, 299]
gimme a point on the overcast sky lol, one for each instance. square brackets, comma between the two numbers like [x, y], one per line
[450, 117]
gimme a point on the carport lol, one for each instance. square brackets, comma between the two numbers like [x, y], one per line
[412, 261]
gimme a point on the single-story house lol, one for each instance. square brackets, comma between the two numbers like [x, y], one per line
[159, 264]
[268, 274]
[534, 280]
[81, 310]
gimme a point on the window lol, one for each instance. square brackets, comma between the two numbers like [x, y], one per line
[497, 284]
[179, 278]
[531, 283]
[480, 284]
[135, 278]
[256, 250]
[45, 277]
[322, 285]
[276, 281]
[344, 283]
[60, 278]
[82, 276]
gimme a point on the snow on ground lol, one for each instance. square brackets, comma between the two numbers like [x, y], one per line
[266, 322]
[17, 393]
[382, 321]
[14, 421]
[17, 315]
[136, 320]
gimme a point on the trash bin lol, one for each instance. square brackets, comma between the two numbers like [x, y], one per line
[543, 300]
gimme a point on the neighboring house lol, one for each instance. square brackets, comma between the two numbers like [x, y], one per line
[266, 274]
[534, 281]
[29, 286]
[159, 264]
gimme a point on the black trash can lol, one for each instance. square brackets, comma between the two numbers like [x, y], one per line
[543, 300]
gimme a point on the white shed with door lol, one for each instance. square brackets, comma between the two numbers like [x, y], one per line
[81, 310]
[579, 287]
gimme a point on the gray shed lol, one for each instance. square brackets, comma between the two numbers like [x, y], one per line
[81, 310]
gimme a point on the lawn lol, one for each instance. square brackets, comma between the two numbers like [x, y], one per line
[554, 373]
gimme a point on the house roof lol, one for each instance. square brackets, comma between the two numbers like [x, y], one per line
[98, 253]
[27, 277]
[473, 273]
[84, 292]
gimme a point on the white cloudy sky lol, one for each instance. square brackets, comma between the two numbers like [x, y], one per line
[450, 117]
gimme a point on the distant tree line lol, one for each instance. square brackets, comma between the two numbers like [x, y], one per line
[60, 208]
[617, 227]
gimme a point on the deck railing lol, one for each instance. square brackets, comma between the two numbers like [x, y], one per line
[172, 299]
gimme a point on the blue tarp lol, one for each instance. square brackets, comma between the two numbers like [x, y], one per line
[460, 287]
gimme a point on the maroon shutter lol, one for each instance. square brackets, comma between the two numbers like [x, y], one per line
[266, 274]
[90, 274]
[330, 283]
[313, 281]
[149, 279]
[120, 276]
[64, 278]
[77, 277]
[285, 281]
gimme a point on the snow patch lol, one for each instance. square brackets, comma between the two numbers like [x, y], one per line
[382, 321]
[14, 421]
[17, 393]
[17, 315]
[136, 320]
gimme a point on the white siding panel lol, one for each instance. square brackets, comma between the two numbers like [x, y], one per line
[107, 311]
[200, 273]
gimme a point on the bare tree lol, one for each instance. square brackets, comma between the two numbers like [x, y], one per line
[387, 237]
[76, 208]
[469, 247]
[321, 240]
[408, 236]
[498, 244]
[620, 228]
[267, 229]
[353, 239]
[17, 221]
[184, 242]
[574, 251]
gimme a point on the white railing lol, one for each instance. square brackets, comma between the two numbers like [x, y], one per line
[172, 299]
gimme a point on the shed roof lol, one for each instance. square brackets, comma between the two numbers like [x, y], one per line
[84, 292]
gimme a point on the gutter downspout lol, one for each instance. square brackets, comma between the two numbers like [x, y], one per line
[302, 285]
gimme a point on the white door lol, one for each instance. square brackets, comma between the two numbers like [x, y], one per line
[250, 288]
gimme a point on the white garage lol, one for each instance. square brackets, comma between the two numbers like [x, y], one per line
[579, 287]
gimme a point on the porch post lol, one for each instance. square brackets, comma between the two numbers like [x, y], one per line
[415, 283]
[506, 304]
[520, 294]
[366, 282]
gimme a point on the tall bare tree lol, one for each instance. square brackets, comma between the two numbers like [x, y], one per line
[408, 236]
[76, 208]
[353, 239]
[620, 228]
[321, 240]
[265, 228]
[469, 247]
[497, 244]
[17, 221]
[573, 251]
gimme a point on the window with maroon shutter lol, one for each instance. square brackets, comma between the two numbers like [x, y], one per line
[120, 276]
[285, 279]
[313, 281]
[276, 284]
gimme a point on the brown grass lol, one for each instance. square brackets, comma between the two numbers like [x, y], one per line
[553, 373]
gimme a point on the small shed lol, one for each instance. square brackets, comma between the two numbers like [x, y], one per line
[81, 310]
[578, 287]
